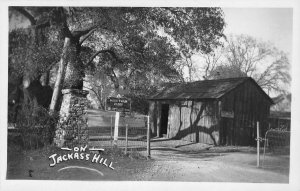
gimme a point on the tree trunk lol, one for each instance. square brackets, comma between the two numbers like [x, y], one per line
[60, 75]
[74, 73]
[75, 69]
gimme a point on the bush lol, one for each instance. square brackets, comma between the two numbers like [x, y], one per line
[36, 126]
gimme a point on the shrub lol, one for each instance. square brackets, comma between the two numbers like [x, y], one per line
[36, 126]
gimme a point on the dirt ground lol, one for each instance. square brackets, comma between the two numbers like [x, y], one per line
[174, 165]
[20, 163]
[171, 160]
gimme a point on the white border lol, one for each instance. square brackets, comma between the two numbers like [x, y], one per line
[138, 185]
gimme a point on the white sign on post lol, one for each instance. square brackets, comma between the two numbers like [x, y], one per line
[116, 131]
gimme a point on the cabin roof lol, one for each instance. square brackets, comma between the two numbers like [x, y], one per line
[206, 89]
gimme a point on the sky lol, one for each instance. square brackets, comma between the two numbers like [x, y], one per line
[273, 25]
[267, 24]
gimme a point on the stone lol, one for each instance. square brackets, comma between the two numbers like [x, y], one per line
[73, 119]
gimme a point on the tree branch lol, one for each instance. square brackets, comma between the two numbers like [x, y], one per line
[43, 25]
[80, 33]
[87, 36]
[99, 97]
[113, 77]
[26, 14]
[110, 51]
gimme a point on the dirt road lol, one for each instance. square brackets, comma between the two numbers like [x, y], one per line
[178, 160]
[167, 164]
[174, 165]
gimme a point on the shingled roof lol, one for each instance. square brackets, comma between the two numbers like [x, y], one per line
[206, 89]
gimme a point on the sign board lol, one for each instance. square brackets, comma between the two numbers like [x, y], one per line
[227, 114]
[118, 104]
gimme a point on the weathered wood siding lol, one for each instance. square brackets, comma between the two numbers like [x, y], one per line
[249, 106]
[201, 121]
[194, 121]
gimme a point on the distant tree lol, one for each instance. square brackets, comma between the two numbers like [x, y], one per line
[246, 56]
[99, 86]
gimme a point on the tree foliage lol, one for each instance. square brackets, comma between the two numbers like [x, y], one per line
[32, 59]
[133, 46]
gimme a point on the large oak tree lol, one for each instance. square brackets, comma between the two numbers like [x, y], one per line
[128, 39]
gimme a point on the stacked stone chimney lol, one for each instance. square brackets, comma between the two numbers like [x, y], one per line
[72, 129]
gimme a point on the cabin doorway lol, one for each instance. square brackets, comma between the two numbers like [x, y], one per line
[164, 120]
[227, 132]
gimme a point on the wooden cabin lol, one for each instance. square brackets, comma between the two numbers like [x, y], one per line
[219, 112]
[280, 113]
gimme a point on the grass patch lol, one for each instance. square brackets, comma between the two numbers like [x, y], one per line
[34, 164]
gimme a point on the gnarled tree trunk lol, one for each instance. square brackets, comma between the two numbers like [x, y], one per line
[60, 75]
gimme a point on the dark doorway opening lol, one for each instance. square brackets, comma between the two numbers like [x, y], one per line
[164, 119]
[226, 131]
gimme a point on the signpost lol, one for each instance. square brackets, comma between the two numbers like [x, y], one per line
[116, 130]
[118, 104]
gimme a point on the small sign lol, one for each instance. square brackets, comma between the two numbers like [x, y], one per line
[227, 114]
[118, 104]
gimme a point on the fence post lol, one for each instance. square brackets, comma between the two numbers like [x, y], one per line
[258, 140]
[265, 144]
[126, 137]
[116, 130]
[111, 139]
[148, 136]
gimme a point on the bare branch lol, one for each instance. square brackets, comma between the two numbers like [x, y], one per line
[100, 99]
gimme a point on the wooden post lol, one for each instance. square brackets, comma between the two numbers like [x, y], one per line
[152, 113]
[126, 137]
[265, 144]
[158, 122]
[116, 131]
[258, 140]
[111, 139]
[148, 136]
[220, 127]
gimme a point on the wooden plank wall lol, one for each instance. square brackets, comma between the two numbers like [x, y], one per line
[199, 121]
[194, 121]
[249, 106]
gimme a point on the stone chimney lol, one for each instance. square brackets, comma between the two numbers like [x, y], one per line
[72, 129]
